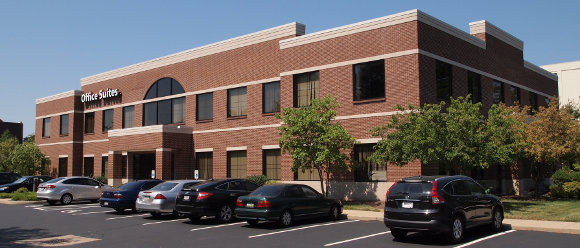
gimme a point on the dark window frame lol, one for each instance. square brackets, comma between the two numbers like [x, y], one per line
[210, 104]
[46, 126]
[241, 106]
[516, 95]
[239, 154]
[271, 97]
[313, 84]
[533, 98]
[88, 171]
[108, 120]
[63, 130]
[168, 109]
[368, 84]
[495, 84]
[126, 110]
[474, 86]
[89, 125]
[443, 80]
[267, 167]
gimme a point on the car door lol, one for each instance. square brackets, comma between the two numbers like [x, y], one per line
[465, 200]
[296, 200]
[94, 189]
[316, 205]
[235, 189]
[482, 202]
[76, 187]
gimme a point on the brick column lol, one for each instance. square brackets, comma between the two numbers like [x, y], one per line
[163, 163]
[115, 168]
[130, 166]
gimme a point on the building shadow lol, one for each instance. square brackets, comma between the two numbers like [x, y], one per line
[11, 234]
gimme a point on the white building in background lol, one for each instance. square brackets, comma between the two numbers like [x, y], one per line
[568, 80]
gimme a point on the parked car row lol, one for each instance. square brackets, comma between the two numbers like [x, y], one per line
[28, 182]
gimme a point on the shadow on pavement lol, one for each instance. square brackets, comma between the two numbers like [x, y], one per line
[440, 239]
[9, 235]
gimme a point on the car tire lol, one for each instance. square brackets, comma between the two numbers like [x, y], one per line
[51, 202]
[194, 218]
[399, 234]
[155, 214]
[334, 213]
[120, 210]
[285, 219]
[225, 214]
[252, 222]
[457, 229]
[66, 199]
[497, 219]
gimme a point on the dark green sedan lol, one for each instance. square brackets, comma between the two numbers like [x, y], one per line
[284, 203]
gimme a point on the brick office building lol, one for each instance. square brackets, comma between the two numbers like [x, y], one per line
[211, 108]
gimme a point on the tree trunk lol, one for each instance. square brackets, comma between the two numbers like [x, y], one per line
[321, 181]
[327, 182]
[515, 171]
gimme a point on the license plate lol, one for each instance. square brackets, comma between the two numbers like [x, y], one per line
[147, 198]
[40, 189]
[407, 205]
[249, 205]
[105, 203]
[186, 198]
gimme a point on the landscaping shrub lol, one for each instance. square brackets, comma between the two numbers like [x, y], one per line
[27, 196]
[572, 189]
[5, 195]
[21, 190]
[566, 183]
[102, 179]
[259, 179]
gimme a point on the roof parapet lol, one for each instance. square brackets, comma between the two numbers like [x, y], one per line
[59, 96]
[484, 26]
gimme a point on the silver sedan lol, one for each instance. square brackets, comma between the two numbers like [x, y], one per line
[161, 198]
[69, 189]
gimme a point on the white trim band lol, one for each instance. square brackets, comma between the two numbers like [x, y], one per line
[237, 129]
[237, 148]
[484, 26]
[89, 156]
[150, 130]
[63, 156]
[269, 147]
[95, 141]
[369, 141]
[204, 150]
[346, 117]
[59, 114]
[104, 155]
[59, 96]
[163, 150]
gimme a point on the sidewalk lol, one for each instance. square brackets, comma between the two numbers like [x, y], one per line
[11, 202]
[528, 225]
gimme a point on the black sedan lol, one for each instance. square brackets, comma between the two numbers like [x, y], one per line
[212, 198]
[284, 203]
[28, 182]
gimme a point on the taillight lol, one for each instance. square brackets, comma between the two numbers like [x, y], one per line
[102, 194]
[203, 195]
[50, 186]
[435, 197]
[160, 197]
[117, 196]
[264, 204]
[239, 203]
[387, 195]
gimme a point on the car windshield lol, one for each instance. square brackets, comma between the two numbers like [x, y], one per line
[268, 191]
[19, 180]
[131, 185]
[164, 186]
[55, 180]
[194, 186]
[411, 188]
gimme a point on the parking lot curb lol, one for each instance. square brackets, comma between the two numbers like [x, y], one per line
[11, 202]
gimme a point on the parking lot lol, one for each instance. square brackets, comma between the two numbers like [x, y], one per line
[89, 225]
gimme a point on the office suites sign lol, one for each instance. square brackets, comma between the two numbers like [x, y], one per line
[103, 94]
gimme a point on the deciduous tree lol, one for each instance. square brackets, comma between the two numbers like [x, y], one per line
[27, 159]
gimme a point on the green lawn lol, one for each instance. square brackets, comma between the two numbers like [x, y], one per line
[20, 196]
[560, 210]
[370, 206]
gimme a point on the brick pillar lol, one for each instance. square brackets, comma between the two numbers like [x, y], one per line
[115, 168]
[130, 165]
[163, 163]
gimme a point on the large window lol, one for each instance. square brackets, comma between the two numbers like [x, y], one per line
[533, 97]
[369, 80]
[515, 93]
[236, 164]
[64, 124]
[204, 107]
[443, 80]
[271, 97]
[498, 95]
[89, 166]
[128, 116]
[62, 167]
[237, 102]
[367, 170]
[166, 111]
[307, 175]
[108, 119]
[272, 163]
[46, 127]
[306, 88]
[205, 164]
[474, 86]
[90, 122]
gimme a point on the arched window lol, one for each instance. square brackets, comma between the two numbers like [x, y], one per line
[166, 111]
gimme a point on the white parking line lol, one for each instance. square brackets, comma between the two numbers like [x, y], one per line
[125, 217]
[159, 222]
[301, 228]
[210, 227]
[33, 206]
[94, 212]
[72, 206]
[485, 238]
[65, 208]
[354, 239]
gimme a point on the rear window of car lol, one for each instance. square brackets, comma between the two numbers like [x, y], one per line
[199, 185]
[165, 186]
[268, 191]
[411, 188]
[54, 180]
[130, 185]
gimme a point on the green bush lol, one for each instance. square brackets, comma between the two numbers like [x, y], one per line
[557, 191]
[572, 189]
[28, 196]
[259, 179]
[102, 179]
[271, 182]
[5, 195]
[21, 190]
[561, 176]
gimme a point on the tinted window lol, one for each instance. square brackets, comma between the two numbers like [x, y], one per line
[369, 80]
[237, 186]
[309, 192]
[107, 120]
[64, 124]
[271, 97]
[149, 185]
[19, 180]
[92, 182]
[460, 188]
[189, 185]
[293, 192]
[306, 88]
[498, 95]
[268, 191]
[443, 81]
[164, 87]
[130, 185]
[55, 180]
[251, 186]
[77, 181]
[128, 116]
[516, 97]
[150, 113]
[411, 188]
[475, 188]
[474, 86]
[164, 112]
[164, 186]
[204, 109]
[46, 127]
[90, 122]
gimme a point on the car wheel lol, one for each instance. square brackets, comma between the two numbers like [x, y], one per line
[194, 218]
[66, 199]
[252, 222]
[496, 223]
[285, 219]
[457, 229]
[51, 202]
[155, 215]
[399, 234]
[225, 214]
[334, 213]
[120, 210]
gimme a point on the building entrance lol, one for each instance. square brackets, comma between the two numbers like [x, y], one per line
[144, 166]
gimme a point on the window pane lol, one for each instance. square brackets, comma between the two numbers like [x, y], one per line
[533, 101]
[104, 166]
[152, 93]
[108, 120]
[163, 87]
[128, 116]
[272, 163]
[204, 106]
[46, 127]
[515, 92]
[498, 95]
[307, 175]
[90, 122]
[369, 80]
[474, 86]
[176, 87]
[205, 164]
[237, 102]
[89, 165]
[271, 97]
[178, 110]
[236, 164]
[366, 169]
[64, 124]
[62, 167]
[306, 88]
[164, 112]
[443, 81]
[150, 114]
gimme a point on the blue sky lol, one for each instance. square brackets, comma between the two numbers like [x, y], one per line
[46, 47]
